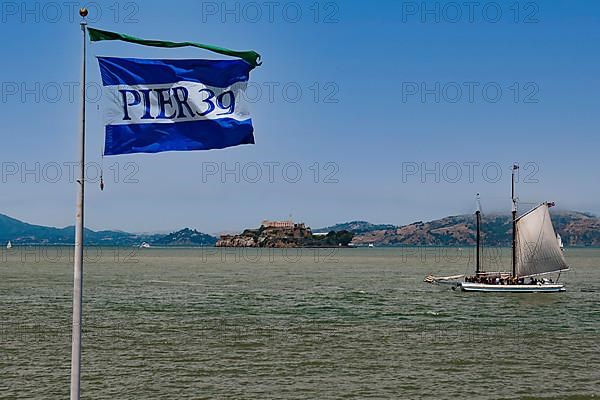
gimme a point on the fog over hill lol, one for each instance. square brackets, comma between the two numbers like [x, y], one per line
[575, 228]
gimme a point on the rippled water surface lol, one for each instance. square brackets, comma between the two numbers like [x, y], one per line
[315, 324]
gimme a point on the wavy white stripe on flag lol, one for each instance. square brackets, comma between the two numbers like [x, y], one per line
[177, 102]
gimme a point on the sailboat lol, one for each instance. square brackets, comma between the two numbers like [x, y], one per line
[9, 245]
[536, 251]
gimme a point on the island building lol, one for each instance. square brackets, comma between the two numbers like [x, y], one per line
[289, 224]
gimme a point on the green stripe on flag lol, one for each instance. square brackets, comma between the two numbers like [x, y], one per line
[250, 56]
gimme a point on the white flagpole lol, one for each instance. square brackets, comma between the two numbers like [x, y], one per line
[78, 257]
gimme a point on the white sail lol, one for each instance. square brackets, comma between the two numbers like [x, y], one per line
[9, 245]
[537, 250]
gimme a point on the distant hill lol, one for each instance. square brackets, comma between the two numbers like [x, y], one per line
[356, 227]
[186, 237]
[575, 228]
[22, 233]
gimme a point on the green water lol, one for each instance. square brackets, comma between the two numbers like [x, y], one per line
[314, 324]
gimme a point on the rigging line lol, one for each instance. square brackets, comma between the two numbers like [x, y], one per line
[102, 167]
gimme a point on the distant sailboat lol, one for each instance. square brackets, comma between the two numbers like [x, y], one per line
[144, 245]
[560, 242]
[9, 245]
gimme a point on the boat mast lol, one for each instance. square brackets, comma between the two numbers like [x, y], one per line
[477, 254]
[514, 221]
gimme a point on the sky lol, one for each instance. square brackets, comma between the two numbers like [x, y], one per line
[386, 111]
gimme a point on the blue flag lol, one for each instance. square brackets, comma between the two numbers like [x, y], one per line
[174, 105]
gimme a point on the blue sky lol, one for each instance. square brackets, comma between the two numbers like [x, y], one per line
[389, 89]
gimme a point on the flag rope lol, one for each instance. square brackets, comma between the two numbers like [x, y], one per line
[250, 56]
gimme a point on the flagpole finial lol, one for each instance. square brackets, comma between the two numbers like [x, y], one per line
[83, 12]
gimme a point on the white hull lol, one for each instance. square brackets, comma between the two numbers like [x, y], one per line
[482, 287]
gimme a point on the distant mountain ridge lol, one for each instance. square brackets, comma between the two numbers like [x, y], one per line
[22, 233]
[575, 228]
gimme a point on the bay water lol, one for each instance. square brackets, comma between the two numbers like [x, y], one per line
[293, 324]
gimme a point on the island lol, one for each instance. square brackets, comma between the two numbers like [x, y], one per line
[284, 234]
